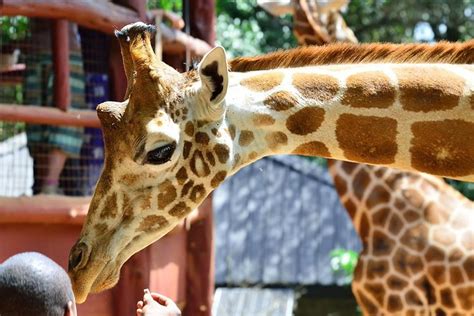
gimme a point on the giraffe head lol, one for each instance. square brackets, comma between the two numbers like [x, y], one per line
[165, 150]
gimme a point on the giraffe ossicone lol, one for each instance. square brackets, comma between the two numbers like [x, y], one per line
[178, 136]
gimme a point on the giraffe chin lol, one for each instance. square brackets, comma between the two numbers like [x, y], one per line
[84, 282]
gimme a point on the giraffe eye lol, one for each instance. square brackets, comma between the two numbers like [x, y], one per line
[161, 154]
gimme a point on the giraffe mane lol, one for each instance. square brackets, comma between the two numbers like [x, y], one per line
[348, 53]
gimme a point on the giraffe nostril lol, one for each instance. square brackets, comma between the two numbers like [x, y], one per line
[78, 256]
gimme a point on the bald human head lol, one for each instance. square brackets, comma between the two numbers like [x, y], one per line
[33, 284]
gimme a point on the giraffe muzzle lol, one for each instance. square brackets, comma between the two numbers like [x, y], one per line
[78, 256]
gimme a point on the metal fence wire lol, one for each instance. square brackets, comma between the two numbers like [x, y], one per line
[45, 158]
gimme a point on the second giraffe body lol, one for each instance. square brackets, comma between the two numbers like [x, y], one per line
[418, 241]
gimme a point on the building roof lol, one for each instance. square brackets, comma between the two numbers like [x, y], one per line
[277, 221]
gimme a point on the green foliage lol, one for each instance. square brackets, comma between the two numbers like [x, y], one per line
[343, 262]
[13, 28]
[466, 188]
[169, 5]
[395, 20]
[243, 28]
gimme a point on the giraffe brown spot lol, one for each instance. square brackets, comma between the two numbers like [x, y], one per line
[218, 178]
[468, 266]
[396, 283]
[444, 236]
[214, 131]
[305, 121]
[364, 227]
[246, 138]
[434, 253]
[443, 147]
[313, 149]
[186, 187]
[182, 175]
[455, 276]
[425, 90]
[395, 225]
[201, 123]
[371, 89]
[198, 165]
[317, 87]
[253, 155]
[376, 290]
[437, 273]
[380, 218]
[151, 223]
[348, 167]
[276, 140]
[359, 269]
[263, 82]
[263, 120]
[413, 197]
[380, 172]
[187, 149]
[399, 204]
[232, 131]
[394, 177]
[189, 129]
[202, 138]
[447, 298]
[436, 214]
[130, 179]
[467, 240]
[179, 210]
[167, 194]
[465, 296]
[413, 299]
[416, 237]
[222, 152]
[377, 269]
[367, 305]
[382, 244]
[394, 304]
[350, 207]
[340, 184]
[455, 255]
[100, 229]
[109, 209]
[210, 158]
[406, 263]
[361, 181]
[411, 216]
[197, 193]
[472, 101]
[367, 139]
[379, 195]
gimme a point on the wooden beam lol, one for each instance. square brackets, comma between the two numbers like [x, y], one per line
[101, 16]
[98, 15]
[48, 115]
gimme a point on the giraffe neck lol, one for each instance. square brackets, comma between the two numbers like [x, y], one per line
[407, 116]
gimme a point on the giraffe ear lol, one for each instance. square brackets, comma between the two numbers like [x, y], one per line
[214, 76]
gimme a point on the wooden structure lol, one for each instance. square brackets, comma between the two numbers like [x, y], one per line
[181, 264]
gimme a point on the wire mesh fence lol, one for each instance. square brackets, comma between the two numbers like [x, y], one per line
[44, 158]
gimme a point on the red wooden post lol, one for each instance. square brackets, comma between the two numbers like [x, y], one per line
[60, 43]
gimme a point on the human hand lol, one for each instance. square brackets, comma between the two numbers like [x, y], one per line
[155, 304]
